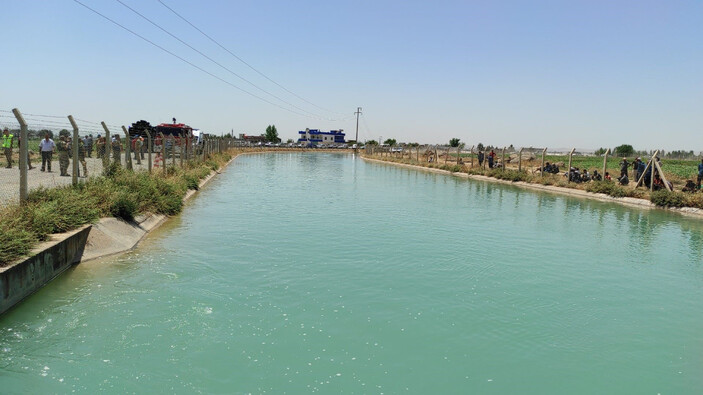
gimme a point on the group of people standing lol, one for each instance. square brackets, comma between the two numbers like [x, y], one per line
[491, 158]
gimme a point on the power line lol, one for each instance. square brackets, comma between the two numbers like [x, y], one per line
[242, 60]
[213, 60]
[189, 63]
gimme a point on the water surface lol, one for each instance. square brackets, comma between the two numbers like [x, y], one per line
[297, 273]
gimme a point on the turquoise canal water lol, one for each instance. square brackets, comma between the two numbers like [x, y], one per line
[298, 273]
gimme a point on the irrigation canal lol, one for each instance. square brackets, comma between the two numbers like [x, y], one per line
[296, 273]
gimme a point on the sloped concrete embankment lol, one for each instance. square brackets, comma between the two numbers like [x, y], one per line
[109, 236]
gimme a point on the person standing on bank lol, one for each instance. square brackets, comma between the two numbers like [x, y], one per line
[7, 146]
[81, 158]
[116, 149]
[700, 174]
[63, 149]
[47, 148]
[138, 145]
[29, 159]
[89, 146]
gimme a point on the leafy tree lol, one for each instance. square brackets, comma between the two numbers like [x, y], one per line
[454, 142]
[480, 147]
[289, 141]
[272, 134]
[390, 142]
[624, 150]
[601, 151]
[372, 142]
[414, 145]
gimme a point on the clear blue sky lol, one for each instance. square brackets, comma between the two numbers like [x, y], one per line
[529, 73]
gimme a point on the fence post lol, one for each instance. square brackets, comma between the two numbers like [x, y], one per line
[605, 161]
[128, 149]
[164, 163]
[651, 173]
[471, 154]
[661, 173]
[568, 170]
[24, 151]
[502, 160]
[519, 160]
[107, 148]
[148, 148]
[541, 172]
[74, 148]
[182, 146]
[173, 151]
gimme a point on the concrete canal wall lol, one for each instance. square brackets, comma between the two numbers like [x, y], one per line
[50, 259]
[109, 236]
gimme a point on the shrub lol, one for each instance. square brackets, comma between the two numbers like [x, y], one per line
[664, 198]
[124, 206]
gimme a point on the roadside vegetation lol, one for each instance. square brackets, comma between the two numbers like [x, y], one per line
[676, 171]
[120, 193]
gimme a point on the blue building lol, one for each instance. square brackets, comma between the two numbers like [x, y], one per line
[317, 137]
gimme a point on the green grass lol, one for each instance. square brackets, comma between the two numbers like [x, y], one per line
[123, 194]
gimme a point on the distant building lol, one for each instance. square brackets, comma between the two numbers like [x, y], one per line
[252, 139]
[315, 136]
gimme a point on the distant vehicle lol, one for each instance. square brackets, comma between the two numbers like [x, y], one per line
[397, 149]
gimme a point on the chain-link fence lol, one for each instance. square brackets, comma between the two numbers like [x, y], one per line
[82, 149]
[569, 166]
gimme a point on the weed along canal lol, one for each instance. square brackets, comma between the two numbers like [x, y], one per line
[320, 272]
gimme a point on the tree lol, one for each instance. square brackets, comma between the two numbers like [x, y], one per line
[272, 134]
[289, 141]
[624, 150]
[390, 142]
[454, 142]
[372, 142]
[480, 147]
[600, 151]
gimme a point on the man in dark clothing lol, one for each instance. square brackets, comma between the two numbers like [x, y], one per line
[700, 174]
[480, 158]
[623, 167]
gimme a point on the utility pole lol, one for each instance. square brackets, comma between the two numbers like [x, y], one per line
[356, 139]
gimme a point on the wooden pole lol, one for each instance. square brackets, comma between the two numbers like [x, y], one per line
[661, 174]
[472, 156]
[544, 151]
[605, 161]
[519, 160]
[568, 170]
[107, 148]
[639, 181]
[148, 148]
[502, 160]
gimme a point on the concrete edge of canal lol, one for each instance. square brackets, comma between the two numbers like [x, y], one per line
[109, 236]
[627, 201]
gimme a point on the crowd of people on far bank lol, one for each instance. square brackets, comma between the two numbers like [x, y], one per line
[640, 170]
[64, 149]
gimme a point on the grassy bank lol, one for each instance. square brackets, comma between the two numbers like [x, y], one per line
[120, 193]
[661, 198]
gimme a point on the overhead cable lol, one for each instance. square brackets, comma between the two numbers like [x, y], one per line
[242, 60]
[214, 61]
[188, 62]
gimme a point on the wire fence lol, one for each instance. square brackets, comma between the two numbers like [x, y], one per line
[82, 149]
[571, 167]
